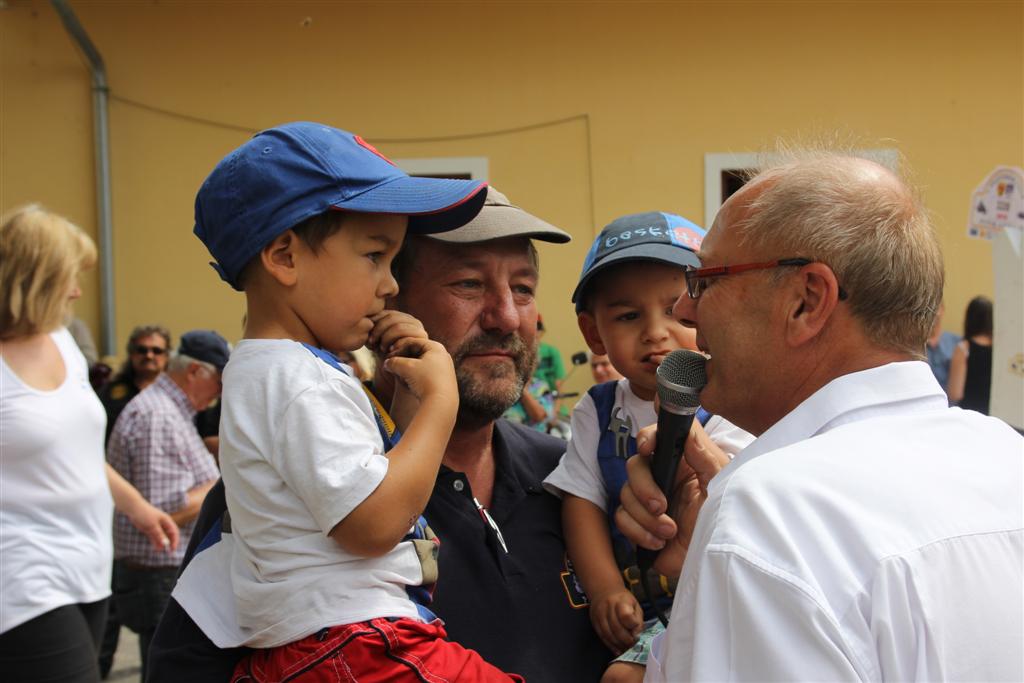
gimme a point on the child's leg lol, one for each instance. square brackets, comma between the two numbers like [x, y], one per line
[624, 672]
[374, 651]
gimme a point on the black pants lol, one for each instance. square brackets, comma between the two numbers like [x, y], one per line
[58, 646]
[111, 636]
[141, 594]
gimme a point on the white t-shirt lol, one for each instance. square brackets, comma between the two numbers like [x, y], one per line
[872, 534]
[56, 512]
[299, 450]
[578, 472]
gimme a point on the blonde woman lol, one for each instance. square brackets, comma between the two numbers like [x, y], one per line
[57, 493]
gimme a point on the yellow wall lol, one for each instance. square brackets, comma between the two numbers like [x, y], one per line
[653, 86]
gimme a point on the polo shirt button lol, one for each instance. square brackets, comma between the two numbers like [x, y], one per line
[458, 485]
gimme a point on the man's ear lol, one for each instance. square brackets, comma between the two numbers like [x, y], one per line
[588, 327]
[278, 258]
[813, 300]
[193, 371]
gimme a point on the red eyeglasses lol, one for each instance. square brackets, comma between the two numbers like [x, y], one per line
[697, 278]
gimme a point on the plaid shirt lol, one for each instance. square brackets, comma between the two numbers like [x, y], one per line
[156, 447]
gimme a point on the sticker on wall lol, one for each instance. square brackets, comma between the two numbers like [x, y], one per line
[997, 204]
[1017, 365]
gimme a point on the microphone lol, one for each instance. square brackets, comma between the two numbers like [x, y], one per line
[681, 376]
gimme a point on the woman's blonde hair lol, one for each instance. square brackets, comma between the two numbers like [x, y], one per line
[41, 255]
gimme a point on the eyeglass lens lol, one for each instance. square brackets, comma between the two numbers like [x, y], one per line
[694, 285]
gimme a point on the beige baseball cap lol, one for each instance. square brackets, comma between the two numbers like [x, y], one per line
[500, 218]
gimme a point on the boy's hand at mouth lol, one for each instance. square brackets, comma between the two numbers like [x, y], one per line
[390, 327]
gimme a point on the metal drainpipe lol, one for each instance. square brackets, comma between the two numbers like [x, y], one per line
[101, 140]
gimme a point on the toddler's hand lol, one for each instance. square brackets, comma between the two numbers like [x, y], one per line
[618, 619]
[391, 326]
[425, 368]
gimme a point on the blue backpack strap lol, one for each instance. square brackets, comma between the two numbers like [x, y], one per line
[421, 535]
[615, 445]
[615, 442]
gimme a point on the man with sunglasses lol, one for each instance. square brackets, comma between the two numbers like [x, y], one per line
[870, 532]
[147, 357]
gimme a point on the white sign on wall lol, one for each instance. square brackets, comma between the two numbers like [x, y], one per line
[997, 214]
[997, 204]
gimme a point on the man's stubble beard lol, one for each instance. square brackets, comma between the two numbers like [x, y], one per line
[146, 375]
[485, 395]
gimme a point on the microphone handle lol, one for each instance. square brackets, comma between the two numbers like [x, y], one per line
[668, 451]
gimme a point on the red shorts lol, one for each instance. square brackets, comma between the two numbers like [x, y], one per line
[373, 651]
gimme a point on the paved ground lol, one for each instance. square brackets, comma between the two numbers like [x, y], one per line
[126, 662]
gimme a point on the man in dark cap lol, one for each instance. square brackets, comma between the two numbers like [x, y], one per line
[155, 446]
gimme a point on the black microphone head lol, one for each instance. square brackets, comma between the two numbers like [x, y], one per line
[681, 376]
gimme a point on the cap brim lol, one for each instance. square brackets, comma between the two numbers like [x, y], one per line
[432, 204]
[500, 221]
[660, 253]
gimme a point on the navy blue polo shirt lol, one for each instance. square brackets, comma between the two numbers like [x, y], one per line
[519, 609]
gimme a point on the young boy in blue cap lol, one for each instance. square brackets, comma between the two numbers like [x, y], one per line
[330, 559]
[632, 277]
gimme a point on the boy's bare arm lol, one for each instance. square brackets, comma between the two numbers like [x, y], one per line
[614, 612]
[424, 369]
[404, 405]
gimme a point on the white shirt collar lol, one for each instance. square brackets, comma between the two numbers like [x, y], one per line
[904, 387]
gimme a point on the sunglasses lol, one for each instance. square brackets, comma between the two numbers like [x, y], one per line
[146, 350]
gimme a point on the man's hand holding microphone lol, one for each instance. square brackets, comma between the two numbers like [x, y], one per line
[644, 516]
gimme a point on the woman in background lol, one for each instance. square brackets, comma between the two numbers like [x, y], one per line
[970, 370]
[58, 496]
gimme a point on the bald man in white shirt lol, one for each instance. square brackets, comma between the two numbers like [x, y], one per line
[870, 532]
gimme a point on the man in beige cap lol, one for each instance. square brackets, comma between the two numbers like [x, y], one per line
[504, 587]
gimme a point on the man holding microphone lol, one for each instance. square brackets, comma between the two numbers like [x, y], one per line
[870, 532]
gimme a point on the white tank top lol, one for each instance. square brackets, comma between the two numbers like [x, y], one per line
[56, 511]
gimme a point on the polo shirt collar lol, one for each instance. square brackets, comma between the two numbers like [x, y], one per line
[514, 478]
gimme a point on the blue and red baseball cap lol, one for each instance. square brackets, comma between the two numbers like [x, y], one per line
[652, 236]
[284, 175]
